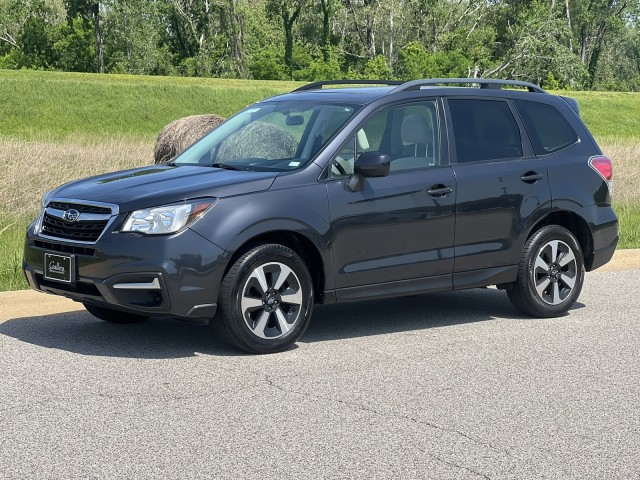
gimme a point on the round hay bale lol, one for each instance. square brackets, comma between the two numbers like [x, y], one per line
[182, 133]
[258, 140]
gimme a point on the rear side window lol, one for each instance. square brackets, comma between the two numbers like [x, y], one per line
[547, 127]
[484, 130]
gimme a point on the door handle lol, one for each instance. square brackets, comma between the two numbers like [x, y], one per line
[440, 190]
[531, 177]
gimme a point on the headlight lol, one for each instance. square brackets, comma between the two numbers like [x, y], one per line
[166, 219]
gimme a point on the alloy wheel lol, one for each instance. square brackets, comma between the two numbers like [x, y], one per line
[271, 300]
[554, 272]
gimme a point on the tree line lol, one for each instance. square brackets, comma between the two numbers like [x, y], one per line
[579, 44]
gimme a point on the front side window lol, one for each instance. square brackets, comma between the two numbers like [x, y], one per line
[548, 129]
[408, 133]
[484, 130]
[277, 136]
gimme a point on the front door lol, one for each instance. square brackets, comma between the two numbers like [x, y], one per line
[399, 227]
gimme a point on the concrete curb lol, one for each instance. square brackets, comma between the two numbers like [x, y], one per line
[623, 260]
[29, 303]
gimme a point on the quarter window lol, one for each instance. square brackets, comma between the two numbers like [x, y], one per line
[484, 130]
[547, 127]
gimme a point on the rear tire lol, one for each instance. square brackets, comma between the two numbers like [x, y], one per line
[266, 300]
[550, 274]
[114, 316]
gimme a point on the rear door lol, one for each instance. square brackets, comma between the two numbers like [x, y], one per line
[503, 188]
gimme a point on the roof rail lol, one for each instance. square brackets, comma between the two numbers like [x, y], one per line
[483, 82]
[315, 85]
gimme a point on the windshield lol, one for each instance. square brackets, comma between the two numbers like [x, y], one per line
[278, 136]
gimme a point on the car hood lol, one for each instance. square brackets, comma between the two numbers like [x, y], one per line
[160, 185]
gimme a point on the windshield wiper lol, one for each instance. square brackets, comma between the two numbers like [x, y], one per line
[226, 166]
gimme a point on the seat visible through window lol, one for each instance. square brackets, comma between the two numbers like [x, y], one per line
[407, 133]
[343, 163]
[417, 134]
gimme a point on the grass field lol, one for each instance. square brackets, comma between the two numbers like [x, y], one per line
[58, 106]
[57, 127]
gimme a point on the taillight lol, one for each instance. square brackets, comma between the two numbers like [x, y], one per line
[604, 167]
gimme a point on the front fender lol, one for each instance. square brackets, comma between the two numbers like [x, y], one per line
[304, 210]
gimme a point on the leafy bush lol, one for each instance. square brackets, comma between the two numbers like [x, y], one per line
[268, 64]
[416, 62]
[378, 67]
[318, 69]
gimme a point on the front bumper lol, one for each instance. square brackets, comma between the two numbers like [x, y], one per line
[177, 275]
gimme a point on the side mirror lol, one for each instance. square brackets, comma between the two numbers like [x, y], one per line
[373, 164]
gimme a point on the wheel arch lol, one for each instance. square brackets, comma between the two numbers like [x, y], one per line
[297, 242]
[577, 225]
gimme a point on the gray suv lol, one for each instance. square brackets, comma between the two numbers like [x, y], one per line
[327, 195]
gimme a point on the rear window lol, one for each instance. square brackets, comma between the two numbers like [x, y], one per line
[547, 127]
[484, 130]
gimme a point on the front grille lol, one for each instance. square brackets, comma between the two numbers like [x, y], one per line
[81, 231]
[57, 247]
[64, 206]
[89, 221]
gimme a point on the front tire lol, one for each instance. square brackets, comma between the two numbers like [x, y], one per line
[113, 316]
[550, 274]
[266, 300]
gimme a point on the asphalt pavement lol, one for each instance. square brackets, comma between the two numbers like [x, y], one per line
[444, 386]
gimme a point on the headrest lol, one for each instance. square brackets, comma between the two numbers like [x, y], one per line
[363, 142]
[416, 129]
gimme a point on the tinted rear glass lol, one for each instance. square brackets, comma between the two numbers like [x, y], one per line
[547, 127]
[484, 130]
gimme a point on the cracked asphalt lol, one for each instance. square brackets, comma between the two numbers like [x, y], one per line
[441, 386]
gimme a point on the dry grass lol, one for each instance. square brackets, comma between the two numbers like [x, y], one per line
[182, 133]
[28, 169]
[626, 189]
[626, 171]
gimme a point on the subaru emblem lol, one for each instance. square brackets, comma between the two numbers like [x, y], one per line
[71, 215]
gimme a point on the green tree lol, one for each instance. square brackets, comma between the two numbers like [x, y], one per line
[28, 30]
[415, 62]
[328, 8]
[90, 11]
[536, 43]
[132, 37]
[287, 12]
[75, 48]
[593, 22]
[619, 63]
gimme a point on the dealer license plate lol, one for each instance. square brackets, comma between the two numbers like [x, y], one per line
[58, 267]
